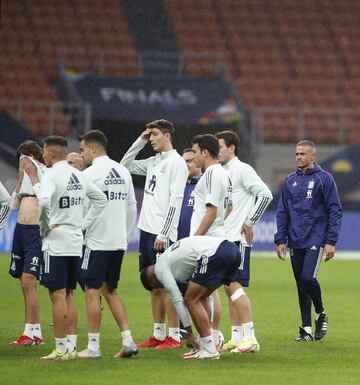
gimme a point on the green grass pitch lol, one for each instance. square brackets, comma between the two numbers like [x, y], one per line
[281, 361]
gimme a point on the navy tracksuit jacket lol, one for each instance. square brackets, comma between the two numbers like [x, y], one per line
[308, 217]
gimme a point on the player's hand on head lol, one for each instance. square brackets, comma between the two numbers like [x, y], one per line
[28, 166]
[21, 167]
[145, 135]
[281, 251]
[329, 252]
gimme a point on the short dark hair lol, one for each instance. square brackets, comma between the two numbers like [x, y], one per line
[187, 149]
[230, 138]
[144, 278]
[30, 148]
[56, 140]
[308, 143]
[207, 142]
[163, 125]
[94, 136]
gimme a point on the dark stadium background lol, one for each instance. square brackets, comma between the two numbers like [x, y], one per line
[284, 70]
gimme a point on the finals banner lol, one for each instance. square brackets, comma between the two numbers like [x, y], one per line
[182, 101]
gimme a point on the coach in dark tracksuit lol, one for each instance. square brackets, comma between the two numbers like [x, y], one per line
[308, 220]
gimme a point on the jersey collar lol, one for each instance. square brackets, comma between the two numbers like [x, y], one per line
[100, 159]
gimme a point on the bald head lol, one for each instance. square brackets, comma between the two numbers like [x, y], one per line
[75, 160]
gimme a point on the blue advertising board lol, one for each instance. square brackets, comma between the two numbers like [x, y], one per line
[263, 232]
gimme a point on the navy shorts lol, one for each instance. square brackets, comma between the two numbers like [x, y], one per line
[243, 273]
[218, 269]
[147, 254]
[26, 251]
[99, 266]
[182, 287]
[59, 272]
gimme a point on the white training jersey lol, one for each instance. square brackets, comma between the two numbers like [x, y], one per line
[111, 228]
[166, 175]
[26, 187]
[61, 198]
[250, 198]
[214, 188]
[4, 206]
[178, 263]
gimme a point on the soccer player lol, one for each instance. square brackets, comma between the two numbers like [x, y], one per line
[308, 220]
[106, 241]
[166, 176]
[26, 249]
[188, 199]
[211, 196]
[250, 198]
[61, 197]
[187, 207]
[74, 159]
[212, 192]
[4, 206]
[206, 262]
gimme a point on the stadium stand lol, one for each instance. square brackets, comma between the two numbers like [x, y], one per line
[299, 59]
[294, 55]
[23, 75]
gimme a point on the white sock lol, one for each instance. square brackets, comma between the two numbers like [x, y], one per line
[308, 329]
[37, 331]
[208, 344]
[249, 332]
[28, 330]
[71, 340]
[216, 336]
[237, 333]
[60, 344]
[127, 339]
[94, 342]
[160, 331]
[174, 333]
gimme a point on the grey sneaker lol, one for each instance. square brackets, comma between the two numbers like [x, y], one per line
[127, 351]
[87, 353]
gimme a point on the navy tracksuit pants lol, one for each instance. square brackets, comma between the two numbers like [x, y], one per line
[305, 264]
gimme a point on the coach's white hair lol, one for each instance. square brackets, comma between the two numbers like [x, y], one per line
[308, 143]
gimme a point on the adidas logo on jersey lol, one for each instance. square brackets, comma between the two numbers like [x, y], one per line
[114, 178]
[74, 183]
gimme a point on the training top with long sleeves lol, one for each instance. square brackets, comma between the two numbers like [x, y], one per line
[166, 175]
[250, 197]
[61, 198]
[214, 188]
[179, 262]
[4, 206]
[309, 211]
[112, 227]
